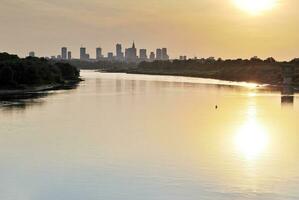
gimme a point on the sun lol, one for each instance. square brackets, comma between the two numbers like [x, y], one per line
[255, 7]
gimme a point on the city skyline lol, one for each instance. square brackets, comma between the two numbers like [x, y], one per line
[194, 28]
[130, 54]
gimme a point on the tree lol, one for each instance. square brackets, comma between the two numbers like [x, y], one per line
[6, 76]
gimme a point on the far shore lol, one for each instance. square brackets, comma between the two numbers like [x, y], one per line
[259, 72]
[258, 84]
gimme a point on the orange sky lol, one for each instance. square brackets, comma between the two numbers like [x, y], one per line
[200, 28]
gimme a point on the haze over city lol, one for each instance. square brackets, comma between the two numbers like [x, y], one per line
[200, 28]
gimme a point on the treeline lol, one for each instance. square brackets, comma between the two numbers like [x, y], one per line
[253, 70]
[101, 65]
[20, 73]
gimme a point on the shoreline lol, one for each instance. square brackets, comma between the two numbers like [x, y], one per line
[9, 94]
[271, 85]
[259, 85]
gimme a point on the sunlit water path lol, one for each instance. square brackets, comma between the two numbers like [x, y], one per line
[132, 137]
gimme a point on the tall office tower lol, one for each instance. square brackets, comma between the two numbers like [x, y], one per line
[131, 54]
[126, 53]
[110, 56]
[32, 54]
[99, 55]
[64, 53]
[152, 56]
[69, 55]
[119, 53]
[164, 54]
[183, 57]
[142, 55]
[83, 53]
[159, 54]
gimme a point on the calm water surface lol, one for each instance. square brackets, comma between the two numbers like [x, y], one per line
[135, 137]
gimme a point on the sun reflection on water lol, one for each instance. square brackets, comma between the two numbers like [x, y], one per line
[251, 140]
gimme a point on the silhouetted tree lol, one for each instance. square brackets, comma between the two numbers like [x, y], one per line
[6, 75]
[34, 71]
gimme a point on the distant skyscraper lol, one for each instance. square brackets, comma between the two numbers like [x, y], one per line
[159, 54]
[131, 54]
[32, 54]
[152, 56]
[82, 53]
[69, 55]
[164, 54]
[183, 57]
[99, 55]
[142, 54]
[110, 56]
[126, 53]
[64, 53]
[119, 53]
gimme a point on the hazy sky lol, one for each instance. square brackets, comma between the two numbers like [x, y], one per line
[193, 27]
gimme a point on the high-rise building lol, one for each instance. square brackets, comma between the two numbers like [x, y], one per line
[142, 55]
[164, 54]
[131, 54]
[31, 54]
[152, 56]
[110, 56]
[183, 57]
[159, 54]
[82, 53]
[126, 53]
[99, 54]
[64, 53]
[119, 53]
[69, 55]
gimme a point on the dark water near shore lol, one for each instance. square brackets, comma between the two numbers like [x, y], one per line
[132, 137]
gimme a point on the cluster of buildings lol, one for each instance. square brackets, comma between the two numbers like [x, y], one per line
[128, 55]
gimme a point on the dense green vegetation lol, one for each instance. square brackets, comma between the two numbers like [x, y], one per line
[21, 73]
[254, 70]
[101, 64]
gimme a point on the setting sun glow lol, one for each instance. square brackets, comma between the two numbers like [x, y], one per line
[255, 7]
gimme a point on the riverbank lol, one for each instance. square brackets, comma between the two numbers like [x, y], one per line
[259, 72]
[29, 92]
[22, 77]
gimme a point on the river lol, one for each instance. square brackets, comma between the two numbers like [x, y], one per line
[140, 137]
